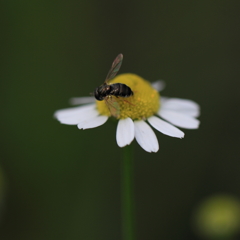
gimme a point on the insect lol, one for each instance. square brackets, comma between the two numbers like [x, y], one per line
[106, 91]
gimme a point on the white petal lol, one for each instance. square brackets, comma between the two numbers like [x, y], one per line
[178, 119]
[82, 100]
[72, 111]
[79, 118]
[162, 100]
[184, 106]
[73, 116]
[145, 136]
[165, 127]
[159, 85]
[92, 123]
[125, 132]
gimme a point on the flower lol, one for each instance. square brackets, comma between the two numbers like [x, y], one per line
[145, 105]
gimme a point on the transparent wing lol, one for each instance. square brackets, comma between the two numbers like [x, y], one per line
[115, 68]
[113, 106]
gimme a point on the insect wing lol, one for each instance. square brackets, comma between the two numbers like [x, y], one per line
[115, 67]
[113, 106]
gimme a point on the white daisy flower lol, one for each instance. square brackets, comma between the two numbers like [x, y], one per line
[136, 113]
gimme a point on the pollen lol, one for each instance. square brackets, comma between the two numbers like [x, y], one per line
[144, 102]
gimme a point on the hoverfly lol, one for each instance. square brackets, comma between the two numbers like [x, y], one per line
[106, 91]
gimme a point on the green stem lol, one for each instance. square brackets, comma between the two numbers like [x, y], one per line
[127, 195]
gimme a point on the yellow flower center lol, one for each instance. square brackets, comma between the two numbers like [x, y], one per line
[142, 104]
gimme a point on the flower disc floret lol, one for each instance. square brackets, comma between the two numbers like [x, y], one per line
[144, 103]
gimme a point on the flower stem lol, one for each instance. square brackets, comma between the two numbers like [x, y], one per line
[127, 195]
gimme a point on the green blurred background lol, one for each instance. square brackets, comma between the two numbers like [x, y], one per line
[58, 182]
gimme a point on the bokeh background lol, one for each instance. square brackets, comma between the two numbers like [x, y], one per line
[58, 182]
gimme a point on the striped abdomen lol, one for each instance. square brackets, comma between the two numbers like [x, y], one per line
[120, 90]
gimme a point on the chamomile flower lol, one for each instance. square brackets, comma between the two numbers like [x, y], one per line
[135, 113]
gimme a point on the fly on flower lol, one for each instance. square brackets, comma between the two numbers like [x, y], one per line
[109, 92]
[137, 105]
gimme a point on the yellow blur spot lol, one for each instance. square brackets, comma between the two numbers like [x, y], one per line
[218, 217]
